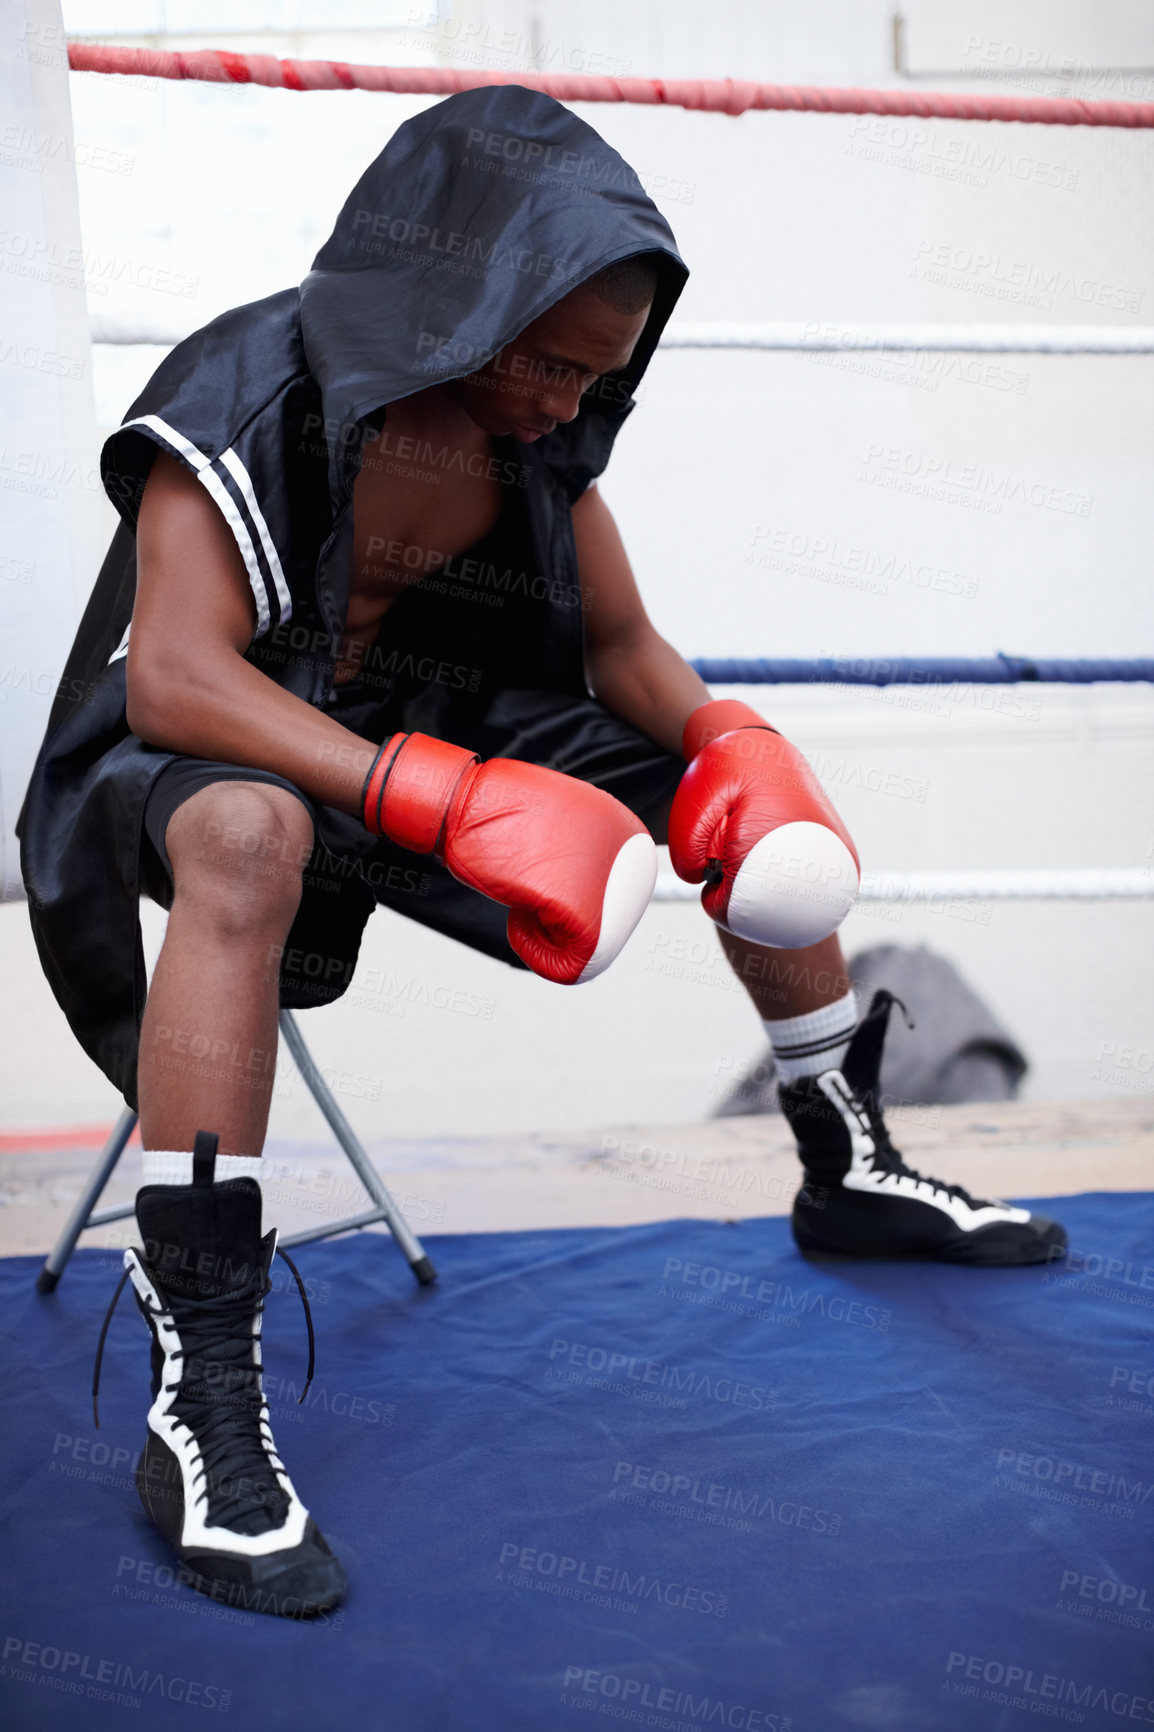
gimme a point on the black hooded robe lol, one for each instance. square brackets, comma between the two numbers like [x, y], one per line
[477, 217]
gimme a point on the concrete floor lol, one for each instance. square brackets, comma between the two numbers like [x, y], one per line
[727, 1169]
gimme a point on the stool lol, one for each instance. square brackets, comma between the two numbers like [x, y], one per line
[85, 1214]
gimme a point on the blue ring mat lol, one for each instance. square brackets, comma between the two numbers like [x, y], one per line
[673, 1476]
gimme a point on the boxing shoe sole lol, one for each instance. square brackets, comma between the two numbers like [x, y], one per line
[1002, 1245]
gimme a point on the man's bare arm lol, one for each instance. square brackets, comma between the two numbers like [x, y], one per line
[189, 687]
[631, 668]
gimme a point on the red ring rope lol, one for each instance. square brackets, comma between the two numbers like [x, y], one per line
[717, 95]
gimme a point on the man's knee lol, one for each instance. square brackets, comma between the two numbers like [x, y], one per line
[238, 851]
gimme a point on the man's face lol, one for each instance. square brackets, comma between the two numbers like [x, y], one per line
[538, 379]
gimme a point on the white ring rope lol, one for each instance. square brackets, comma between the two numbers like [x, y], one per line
[966, 339]
[813, 337]
[1078, 883]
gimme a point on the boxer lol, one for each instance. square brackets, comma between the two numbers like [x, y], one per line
[367, 635]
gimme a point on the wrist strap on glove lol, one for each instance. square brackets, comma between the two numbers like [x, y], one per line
[720, 716]
[373, 792]
[410, 787]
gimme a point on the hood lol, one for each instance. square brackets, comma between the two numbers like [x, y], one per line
[476, 217]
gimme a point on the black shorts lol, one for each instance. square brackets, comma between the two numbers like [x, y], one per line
[351, 871]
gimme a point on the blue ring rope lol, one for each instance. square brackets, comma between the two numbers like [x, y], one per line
[999, 670]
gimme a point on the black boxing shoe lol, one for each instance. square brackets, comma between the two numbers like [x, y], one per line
[209, 1475]
[861, 1200]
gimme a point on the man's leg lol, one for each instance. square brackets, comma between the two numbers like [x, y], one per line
[806, 1002]
[209, 1036]
[788, 983]
[859, 1196]
[804, 999]
[209, 1475]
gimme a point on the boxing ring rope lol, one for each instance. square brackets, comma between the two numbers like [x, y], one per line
[1053, 884]
[731, 96]
[1080, 884]
[998, 670]
[982, 339]
[818, 337]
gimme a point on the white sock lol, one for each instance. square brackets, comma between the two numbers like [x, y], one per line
[807, 1045]
[174, 1167]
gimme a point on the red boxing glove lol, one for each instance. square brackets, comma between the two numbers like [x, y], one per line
[751, 817]
[573, 866]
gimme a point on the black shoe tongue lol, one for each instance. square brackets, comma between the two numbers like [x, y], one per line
[202, 1240]
[862, 1065]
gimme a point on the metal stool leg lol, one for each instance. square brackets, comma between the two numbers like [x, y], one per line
[83, 1214]
[386, 1209]
[86, 1214]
